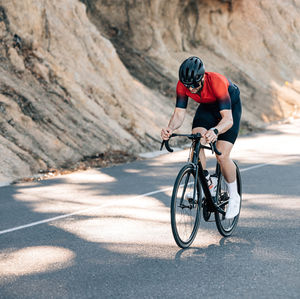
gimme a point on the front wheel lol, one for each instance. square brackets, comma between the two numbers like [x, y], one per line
[185, 207]
[226, 226]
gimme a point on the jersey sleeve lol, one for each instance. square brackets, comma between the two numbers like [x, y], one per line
[181, 97]
[220, 89]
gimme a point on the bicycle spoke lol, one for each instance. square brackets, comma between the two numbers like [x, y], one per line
[184, 187]
[184, 208]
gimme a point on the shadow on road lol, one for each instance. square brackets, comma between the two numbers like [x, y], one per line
[125, 247]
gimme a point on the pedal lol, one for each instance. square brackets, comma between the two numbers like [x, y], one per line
[211, 218]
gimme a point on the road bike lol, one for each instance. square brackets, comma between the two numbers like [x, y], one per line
[191, 194]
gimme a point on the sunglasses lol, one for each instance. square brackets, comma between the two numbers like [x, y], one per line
[193, 85]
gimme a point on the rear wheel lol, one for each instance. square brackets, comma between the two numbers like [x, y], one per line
[185, 207]
[226, 226]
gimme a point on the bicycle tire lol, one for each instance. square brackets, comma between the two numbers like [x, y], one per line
[185, 232]
[227, 226]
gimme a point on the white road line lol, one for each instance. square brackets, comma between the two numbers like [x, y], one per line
[76, 213]
[110, 204]
[268, 163]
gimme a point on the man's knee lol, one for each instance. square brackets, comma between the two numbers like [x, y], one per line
[225, 148]
[222, 158]
[200, 130]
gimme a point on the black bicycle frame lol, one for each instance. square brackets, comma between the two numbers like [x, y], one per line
[196, 163]
[200, 173]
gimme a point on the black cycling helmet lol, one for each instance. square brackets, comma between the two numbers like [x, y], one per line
[191, 71]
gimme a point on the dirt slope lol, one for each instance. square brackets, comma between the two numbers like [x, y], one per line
[82, 78]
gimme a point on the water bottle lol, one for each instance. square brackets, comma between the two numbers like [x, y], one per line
[214, 181]
[211, 182]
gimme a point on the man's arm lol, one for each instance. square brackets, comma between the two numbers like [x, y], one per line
[225, 124]
[175, 122]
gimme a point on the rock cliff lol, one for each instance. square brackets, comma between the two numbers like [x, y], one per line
[79, 78]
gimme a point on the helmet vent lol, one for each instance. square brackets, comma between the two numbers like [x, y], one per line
[191, 70]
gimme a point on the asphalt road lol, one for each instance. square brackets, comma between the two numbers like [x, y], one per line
[106, 232]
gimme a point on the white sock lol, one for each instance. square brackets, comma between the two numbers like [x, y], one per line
[234, 200]
[232, 188]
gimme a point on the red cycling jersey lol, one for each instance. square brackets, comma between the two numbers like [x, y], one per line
[215, 89]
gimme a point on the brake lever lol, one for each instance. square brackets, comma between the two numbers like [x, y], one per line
[166, 144]
[214, 148]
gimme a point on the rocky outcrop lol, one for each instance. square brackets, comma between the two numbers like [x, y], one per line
[255, 43]
[82, 78]
[64, 93]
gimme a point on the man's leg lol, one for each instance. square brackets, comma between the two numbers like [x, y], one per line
[228, 170]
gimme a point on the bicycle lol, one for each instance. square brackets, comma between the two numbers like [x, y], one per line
[186, 208]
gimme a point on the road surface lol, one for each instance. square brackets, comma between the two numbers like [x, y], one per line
[106, 232]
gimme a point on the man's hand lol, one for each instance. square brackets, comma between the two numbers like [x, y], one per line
[166, 133]
[210, 136]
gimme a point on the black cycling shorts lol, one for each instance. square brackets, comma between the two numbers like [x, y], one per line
[208, 116]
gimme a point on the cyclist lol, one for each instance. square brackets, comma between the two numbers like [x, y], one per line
[217, 117]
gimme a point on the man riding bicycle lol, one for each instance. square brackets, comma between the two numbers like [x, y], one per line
[216, 119]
